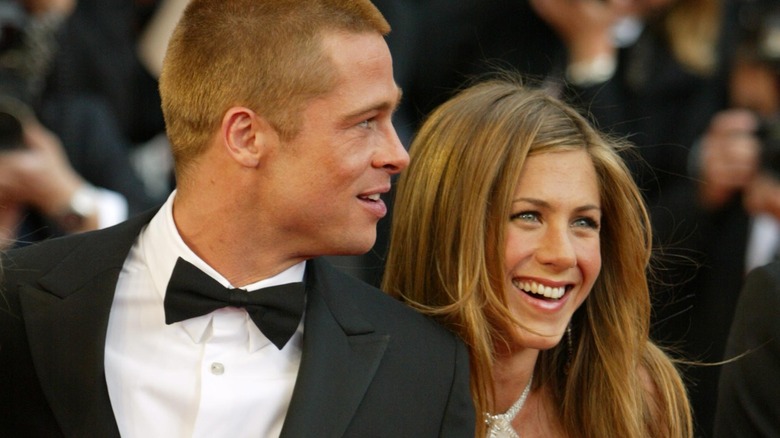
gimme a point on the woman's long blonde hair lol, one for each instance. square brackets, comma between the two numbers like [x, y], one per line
[447, 249]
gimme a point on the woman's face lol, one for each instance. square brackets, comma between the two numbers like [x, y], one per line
[552, 245]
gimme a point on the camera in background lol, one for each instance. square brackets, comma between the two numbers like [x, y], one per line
[759, 22]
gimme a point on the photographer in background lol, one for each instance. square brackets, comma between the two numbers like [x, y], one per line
[739, 155]
[54, 152]
[64, 166]
[38, 182]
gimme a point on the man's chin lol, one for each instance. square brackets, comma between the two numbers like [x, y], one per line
[355, 246]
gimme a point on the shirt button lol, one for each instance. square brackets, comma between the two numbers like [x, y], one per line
[217, 369]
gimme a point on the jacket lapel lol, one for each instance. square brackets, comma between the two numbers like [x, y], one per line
[341, 353]
[66, 318]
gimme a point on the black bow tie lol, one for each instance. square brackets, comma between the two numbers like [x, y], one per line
[276, 310]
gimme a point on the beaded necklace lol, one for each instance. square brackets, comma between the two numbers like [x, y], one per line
[500, 425]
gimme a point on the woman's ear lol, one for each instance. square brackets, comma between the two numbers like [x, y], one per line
[247, 136]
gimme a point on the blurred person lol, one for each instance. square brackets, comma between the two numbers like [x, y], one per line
[28, 43]
[37, 175]
[98, 54]
[739, 153]
[467, 38]
[141, 329]
[95, 56]
[518, 226]
[73, 173]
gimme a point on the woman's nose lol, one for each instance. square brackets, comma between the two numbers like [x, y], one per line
[556, 248]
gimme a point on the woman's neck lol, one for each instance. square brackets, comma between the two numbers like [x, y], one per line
[511, 373]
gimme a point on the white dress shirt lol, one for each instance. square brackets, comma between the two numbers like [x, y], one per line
[762, 246]
[212, 376]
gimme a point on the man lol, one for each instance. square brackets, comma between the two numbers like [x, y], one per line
[279, 115]
[748, 399]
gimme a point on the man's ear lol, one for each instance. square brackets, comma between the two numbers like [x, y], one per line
[247, 136]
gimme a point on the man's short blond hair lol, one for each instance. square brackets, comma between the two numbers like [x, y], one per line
[265, 55]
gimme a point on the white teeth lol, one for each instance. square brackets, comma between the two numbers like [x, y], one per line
[374, 197]
[540, 289]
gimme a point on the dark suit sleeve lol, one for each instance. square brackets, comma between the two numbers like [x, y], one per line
[749, 390]
[459, 417]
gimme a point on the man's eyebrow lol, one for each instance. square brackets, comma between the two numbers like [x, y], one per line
[381, 106]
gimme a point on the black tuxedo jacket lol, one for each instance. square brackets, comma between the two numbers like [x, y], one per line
[749, 390]
[371, 367]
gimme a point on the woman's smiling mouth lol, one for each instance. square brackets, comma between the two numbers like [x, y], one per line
[540, 290]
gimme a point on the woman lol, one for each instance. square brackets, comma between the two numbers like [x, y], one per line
[517, 223]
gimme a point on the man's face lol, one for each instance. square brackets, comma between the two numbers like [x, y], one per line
[326, 182]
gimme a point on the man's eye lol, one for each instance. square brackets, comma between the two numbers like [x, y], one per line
[366, 123]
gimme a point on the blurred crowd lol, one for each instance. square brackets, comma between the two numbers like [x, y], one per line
[693, 84]
[79, 111]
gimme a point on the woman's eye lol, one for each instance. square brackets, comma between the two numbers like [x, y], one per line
[526, 216]
[586, 222]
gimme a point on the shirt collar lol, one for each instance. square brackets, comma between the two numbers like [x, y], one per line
[161, 245]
